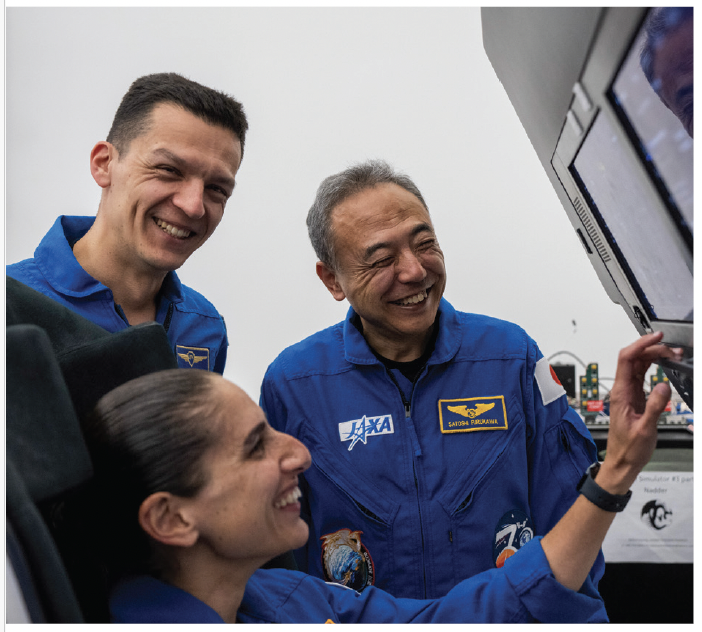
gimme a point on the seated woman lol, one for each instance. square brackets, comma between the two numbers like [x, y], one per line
[198, 492]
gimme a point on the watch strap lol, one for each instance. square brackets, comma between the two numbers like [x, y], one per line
[598, 496]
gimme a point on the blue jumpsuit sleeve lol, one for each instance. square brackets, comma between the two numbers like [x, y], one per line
[221, 359]
[523, 590]
[277, 415]
[560, 451]
[271, 403]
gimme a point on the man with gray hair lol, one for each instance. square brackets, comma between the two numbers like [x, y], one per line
[441, 441]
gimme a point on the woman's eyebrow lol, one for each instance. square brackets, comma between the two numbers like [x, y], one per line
[255, 433]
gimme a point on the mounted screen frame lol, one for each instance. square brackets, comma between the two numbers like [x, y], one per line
[557, 65]
[593, 107]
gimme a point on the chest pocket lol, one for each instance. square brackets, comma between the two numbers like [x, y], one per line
[494, 481]
[470, 459]
[352, 521]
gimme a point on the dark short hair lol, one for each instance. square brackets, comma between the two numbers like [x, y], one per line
[133, 114]
[340, 186]
[147, 435]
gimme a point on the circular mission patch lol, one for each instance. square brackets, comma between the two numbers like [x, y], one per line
[512, 532]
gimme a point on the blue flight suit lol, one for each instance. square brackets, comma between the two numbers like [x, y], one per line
[415, 487]
[522, 591]
[194, 327]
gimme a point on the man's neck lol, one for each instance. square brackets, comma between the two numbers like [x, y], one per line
[401, 349]
[133, 290]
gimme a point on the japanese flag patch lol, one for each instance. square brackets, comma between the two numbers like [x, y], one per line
[551, 389]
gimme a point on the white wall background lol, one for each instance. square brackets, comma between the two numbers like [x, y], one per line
[323, 88]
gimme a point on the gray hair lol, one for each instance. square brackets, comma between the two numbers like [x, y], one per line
[340, 186]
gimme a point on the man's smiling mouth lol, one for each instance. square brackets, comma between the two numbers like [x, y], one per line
[178, 233]
[413, 300]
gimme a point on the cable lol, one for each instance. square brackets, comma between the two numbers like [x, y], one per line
[572, 355]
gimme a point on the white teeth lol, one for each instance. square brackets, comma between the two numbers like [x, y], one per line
[172, 230]
[414, 299]
[290, 498]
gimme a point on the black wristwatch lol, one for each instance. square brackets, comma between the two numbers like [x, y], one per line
[598, 496]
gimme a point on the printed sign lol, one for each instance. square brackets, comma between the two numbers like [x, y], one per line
[656, 525]
[595, 406]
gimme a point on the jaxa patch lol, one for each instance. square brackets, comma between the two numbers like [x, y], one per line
[346, 561]
[550, 386]
[360, 429]
[513, 531]
[472, 413]
[193, 357]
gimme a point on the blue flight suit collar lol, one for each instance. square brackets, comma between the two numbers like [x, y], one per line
[448, 341]
[56, 261]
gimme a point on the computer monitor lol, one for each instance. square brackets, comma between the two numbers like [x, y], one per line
[605, 96]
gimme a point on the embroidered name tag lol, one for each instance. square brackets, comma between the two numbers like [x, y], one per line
[193, 357]
[472, 413]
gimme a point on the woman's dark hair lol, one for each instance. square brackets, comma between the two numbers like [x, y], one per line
[148, 435]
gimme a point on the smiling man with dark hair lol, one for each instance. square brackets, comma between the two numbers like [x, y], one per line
[166, 171]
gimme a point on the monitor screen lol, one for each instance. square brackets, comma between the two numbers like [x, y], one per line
[640, 237]
[645, 240]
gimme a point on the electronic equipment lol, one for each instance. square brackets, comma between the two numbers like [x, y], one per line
[618, 158]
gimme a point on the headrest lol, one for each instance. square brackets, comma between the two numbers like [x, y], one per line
[94, 368]
[93, 361]
[25, 306]
[43, 438]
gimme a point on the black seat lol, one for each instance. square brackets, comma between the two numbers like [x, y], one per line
[46, 458]
[92, 360]
[58, 364]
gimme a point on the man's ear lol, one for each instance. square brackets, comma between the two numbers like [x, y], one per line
[101, 157]
[162, 516]
[328, 277]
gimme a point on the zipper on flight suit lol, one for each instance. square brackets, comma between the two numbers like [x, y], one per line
[408, 414]
[169, 315]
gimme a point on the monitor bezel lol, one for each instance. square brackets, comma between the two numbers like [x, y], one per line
[591, 98]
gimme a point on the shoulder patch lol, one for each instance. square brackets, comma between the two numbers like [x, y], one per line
[512, 532]
[549, 386]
